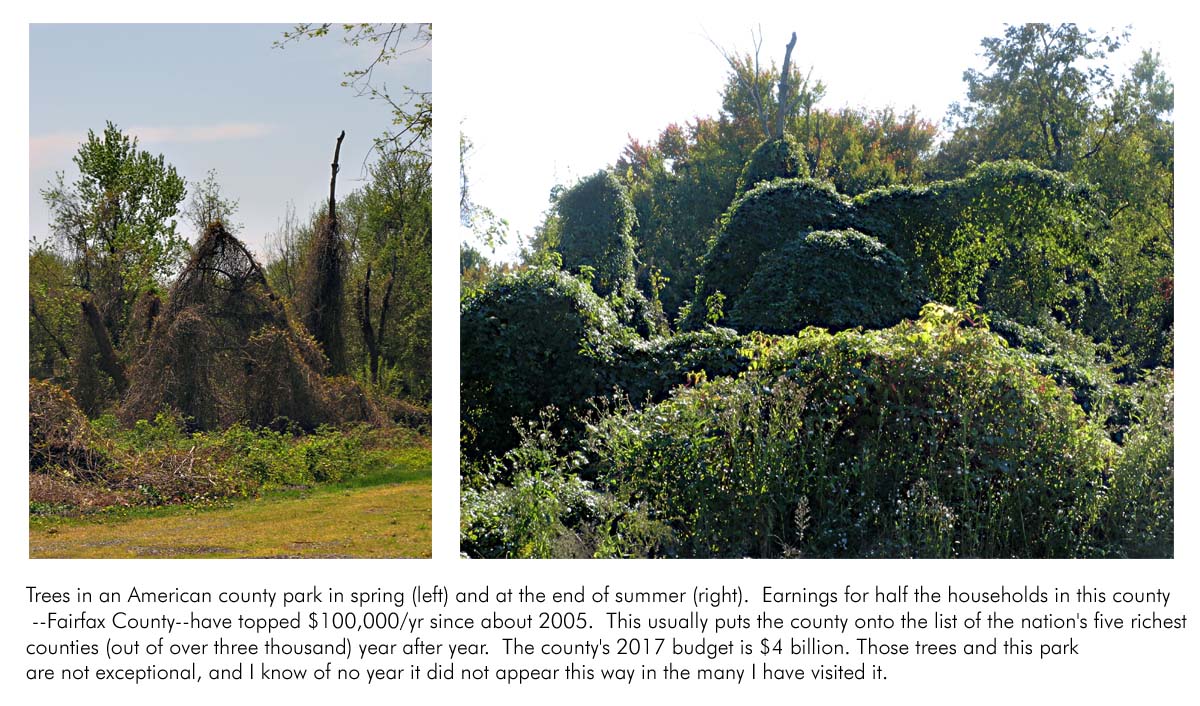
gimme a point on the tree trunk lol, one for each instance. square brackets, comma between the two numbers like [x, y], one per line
[785, 86]
[384, 307]
[109, 362]
[368, 331]
[372, 335]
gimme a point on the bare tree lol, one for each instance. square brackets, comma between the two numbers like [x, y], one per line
[790, 92]
[208, 206]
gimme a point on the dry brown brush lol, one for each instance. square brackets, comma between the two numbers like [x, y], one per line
[61, 441]
[71, 464]
[223, 350]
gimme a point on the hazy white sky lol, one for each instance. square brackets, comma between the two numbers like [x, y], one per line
[555, 99]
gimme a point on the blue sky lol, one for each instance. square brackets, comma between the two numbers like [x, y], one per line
[209, 97]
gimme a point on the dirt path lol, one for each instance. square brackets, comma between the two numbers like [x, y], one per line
[379, 521]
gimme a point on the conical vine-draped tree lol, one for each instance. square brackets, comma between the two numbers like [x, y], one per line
[597, 222]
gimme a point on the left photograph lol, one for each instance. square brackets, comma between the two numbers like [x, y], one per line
[229, 291]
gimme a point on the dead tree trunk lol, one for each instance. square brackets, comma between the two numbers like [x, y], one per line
[337, 151]
[785, 87]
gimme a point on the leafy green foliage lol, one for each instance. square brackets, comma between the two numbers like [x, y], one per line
[1009, 236]
[1140, 518]
[1049, 95]
[781, 157]
[1039, 96]
[116, 222]
[542, 338]
[1076, 362]
[680, 185]
[597, 218]
[53, 314]
[684, 181]
[1008, 427]
[928, 439]
[831, 279]
[532, 504]
[528, 340]
[759, 222]
[388, 225]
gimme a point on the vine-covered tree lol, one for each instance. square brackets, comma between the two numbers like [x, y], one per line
[597, 219]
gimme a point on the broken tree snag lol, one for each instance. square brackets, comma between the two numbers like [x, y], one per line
[107, 357]
[337, 151]
[784, 89]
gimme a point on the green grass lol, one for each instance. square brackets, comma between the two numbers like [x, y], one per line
[383, 511]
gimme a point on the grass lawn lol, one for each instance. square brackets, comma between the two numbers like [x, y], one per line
[384, 514]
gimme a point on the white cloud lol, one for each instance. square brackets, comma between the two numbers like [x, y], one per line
[52, 147]
[46, 147]
[201, 133]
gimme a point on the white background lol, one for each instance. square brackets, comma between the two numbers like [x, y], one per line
[1146, 667]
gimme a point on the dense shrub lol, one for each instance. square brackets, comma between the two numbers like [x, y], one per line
[1074, 361]
[529, 340]
[664, 362]
[1009, 236]
[543, 338]
[79, 465]
[777, 158]
[61, 441]
[932, 438]
[596, 222]
[832, 279]
[760, 222]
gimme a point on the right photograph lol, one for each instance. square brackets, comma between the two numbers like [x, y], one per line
[759, 294]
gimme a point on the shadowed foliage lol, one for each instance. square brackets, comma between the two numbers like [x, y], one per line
[597, 222]
[781, 157]
[543, 338]
[832, 279]
[760, 221]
